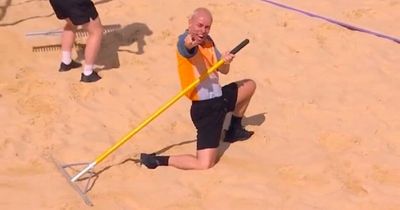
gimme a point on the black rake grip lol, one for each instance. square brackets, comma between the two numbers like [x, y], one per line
[240, 46]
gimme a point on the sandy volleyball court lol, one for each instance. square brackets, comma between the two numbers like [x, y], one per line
[325, 113]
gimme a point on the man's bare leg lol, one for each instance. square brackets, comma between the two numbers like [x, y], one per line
[236, 132]
[95, 30]
[68, 36]
[246, 89]
[67, 41]
[205, 159]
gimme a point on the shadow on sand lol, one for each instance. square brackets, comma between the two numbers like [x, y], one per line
[107, 57]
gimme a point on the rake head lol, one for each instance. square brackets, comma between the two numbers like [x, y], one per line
[67, 169]
[79, 33]
[54, 47]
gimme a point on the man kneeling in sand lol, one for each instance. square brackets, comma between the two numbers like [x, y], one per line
[196, 53]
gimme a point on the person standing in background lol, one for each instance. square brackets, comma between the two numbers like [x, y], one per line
[75, 13]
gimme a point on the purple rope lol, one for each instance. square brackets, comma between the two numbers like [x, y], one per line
[348, 26]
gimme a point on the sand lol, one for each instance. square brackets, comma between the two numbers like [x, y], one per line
[325, 113]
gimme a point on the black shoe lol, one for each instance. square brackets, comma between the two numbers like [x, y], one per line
[93, 77]
[238, 134]
[72, 65]
[149, 160]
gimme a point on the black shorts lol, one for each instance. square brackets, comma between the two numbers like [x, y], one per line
[208, 116]
[78, 11]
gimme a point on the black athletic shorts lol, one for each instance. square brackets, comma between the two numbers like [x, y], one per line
[78, 11]
[208, 116]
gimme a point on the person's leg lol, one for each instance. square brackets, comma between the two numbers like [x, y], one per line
[245, 90]
[67, 41]
[95, 30]
[205, 159]
[68, 36]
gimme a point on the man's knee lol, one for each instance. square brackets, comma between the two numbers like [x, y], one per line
[69, 26]
[252, 85]
[247, 87]
[206, 164]
[97, 31]
[94, 27]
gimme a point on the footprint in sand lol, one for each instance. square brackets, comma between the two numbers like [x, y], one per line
[391, 140]
[250, 14]
[359, 13]
[321, 40]
[320, 32]
[6, 146]
[173, 126]
[291, 175]
[386, 175]
[36, 103]
[349, 177]
[301, 176]
[165, 36]
[354, 186]
[19, 146]
[337, 142]
[81, 92]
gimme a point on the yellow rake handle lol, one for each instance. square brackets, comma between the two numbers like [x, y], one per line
[166, 105]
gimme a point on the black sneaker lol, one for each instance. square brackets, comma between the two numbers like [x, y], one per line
[93, 77]
[238, 134]
[72, 65]
[149, 160]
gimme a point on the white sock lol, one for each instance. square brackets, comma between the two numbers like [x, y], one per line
[88, 69]
[66, 57]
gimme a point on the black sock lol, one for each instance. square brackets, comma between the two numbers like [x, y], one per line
[236, 122]
[163, 160]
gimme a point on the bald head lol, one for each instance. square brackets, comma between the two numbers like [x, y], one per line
[201, 12]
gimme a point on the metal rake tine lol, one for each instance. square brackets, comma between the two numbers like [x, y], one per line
[44, 33]
[82, 34]
[111, 28]
[107, 29]
[46, 48]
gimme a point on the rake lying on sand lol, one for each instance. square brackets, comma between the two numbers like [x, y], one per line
[79, 33]
[87, 172]
[53, 47]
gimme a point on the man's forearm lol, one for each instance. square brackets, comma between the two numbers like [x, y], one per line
[224, 69]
